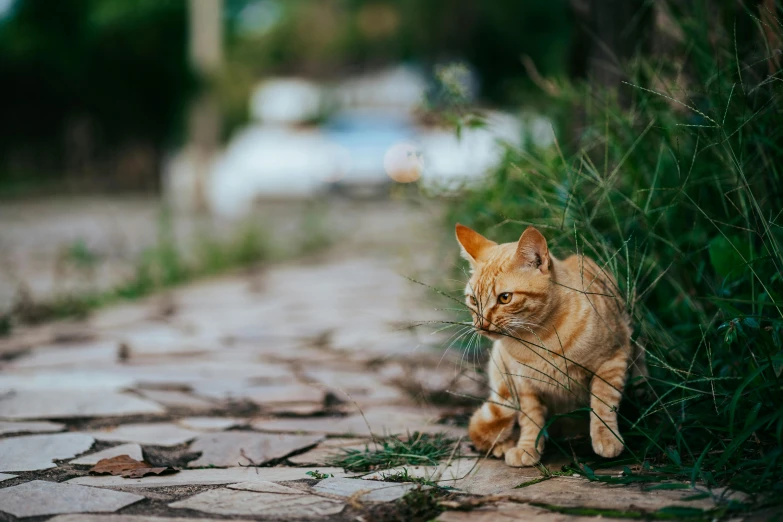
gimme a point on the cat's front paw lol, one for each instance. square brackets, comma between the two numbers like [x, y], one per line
[522, 457]
[606, 443]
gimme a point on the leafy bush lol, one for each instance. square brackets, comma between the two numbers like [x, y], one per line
[680, 195]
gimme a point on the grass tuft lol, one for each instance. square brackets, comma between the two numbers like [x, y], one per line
[418, 449]
[404, 476]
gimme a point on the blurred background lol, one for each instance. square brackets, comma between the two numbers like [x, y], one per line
[150, 129]
[152, 140]
[148, 143]
[115, 95]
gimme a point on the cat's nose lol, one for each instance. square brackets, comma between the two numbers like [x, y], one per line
[482, 323]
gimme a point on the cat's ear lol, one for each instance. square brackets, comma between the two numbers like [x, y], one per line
[474, 245]
[533, 251]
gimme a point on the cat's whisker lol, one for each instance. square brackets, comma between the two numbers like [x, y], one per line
[459, 328]
[474, 338]
[462, 355]
[461, 332]
[476, 347]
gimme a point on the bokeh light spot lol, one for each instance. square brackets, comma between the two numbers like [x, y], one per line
[404, 162]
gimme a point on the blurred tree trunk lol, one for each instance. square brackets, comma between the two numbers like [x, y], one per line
[206, 56]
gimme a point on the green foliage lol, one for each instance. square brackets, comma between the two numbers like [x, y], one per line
[95, 75]
[81, 255]
[419, 449]
[405, 476]
[317, 475]
[678, 195]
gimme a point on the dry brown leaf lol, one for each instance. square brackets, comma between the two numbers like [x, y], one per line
[125, 466]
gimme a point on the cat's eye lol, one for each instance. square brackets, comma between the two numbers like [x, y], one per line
[472, 300]
[504, 298]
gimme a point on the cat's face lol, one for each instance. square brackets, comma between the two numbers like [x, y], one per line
[509, 290]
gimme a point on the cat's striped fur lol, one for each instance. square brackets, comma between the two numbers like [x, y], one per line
[562, 340]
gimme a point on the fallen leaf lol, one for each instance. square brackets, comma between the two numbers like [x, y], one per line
[125, 466]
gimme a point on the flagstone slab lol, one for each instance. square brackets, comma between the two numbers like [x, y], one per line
[579, 492]
[61, 380]
[132, 518]
[268, 487]
[40, 498]
[446, 474]
[35, 452]
[302, 409]
[291, 392]
[201, 371]
[283, 393]
[153, 434]
[8, 427]
[378, 420]
[232, 448]
[328, 449]
[491, 476]
[65, 404]
[363, 490]
[216, 367]
[67, 355]
[283, 506]
[214, 476]
[177, 399]
[6, 476]
[374, 339]
[361, 386]
[131, 450]
[478, 476]
[156, 339]
[211, 423]
[120, 315]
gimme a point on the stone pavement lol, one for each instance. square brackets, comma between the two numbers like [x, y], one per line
[246, 383]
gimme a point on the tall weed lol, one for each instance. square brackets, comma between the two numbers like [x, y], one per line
[680, 195]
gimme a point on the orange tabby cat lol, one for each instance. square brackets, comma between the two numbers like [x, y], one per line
[562, 341]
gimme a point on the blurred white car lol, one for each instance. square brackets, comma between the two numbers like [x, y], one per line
[359, 150]
[362, 139]
[347, 155]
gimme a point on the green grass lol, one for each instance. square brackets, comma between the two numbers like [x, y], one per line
[546, 474]
[417, 449]
[318, 475]
[163, 265]
[679, 195]
[405, 476]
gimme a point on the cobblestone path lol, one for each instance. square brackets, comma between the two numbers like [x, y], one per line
[247, 384]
